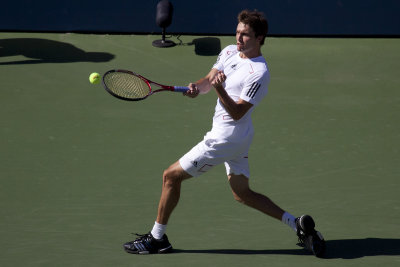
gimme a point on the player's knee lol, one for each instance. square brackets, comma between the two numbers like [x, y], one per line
[241, 196]
[238, 198]
[167, 177]
[170, 177]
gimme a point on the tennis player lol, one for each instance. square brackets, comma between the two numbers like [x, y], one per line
[240, 78]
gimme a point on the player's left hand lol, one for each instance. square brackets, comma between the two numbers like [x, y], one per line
[218, 80]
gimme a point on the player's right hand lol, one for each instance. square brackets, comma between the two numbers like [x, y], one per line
[193, 91]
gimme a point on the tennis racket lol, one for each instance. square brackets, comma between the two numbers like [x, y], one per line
[127, 85]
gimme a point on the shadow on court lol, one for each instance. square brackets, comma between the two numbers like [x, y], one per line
[358, 248]
[336, 249]
[205, 46]
[245, 251]
[47, 51]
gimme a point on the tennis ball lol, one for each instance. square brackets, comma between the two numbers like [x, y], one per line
[94, 78]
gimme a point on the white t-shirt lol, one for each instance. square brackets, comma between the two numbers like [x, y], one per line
[247, 79]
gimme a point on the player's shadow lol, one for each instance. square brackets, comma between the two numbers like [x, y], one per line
[358, 248]
[47, 51]
[335, 249]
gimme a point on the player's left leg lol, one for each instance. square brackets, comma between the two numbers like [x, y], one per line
[238, 172]
[303, 225]
[310, 238]
[242, 193]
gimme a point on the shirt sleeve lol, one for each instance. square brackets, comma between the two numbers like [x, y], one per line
[255, 87]
[219, 64]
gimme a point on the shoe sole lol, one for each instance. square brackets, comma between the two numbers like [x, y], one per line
[145, 252]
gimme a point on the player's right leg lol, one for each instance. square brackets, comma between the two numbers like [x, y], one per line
[156, 241]
[171, 189]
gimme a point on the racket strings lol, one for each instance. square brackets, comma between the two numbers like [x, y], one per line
[126, 85]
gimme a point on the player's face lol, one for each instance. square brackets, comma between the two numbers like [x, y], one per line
[246, 40]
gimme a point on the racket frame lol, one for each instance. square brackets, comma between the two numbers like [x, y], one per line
[163, 87]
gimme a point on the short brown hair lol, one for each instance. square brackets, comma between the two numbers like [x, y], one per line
[256, 21]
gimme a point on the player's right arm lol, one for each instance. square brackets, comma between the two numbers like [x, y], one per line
[202, 86]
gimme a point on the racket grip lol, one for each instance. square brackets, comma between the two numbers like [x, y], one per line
[180, 89]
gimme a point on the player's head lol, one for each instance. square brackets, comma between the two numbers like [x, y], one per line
[256, 21]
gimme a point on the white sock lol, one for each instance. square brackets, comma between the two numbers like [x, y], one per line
[158, 230]
[290, 220]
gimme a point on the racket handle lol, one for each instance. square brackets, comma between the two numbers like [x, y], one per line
[180, 89]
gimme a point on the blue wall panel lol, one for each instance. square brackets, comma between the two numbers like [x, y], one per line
[286, 17]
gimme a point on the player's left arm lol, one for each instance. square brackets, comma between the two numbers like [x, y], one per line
[235, 109]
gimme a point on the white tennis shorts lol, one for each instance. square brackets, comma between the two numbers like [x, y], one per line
[212, 151]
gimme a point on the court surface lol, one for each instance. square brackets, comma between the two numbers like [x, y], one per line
[81, 170]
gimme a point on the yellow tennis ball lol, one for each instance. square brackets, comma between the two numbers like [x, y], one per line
[94, 78]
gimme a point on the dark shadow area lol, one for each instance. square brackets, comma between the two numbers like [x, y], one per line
[358, 248]
[206, 46]
[245, 251]
[47, 51]
[335, 249]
